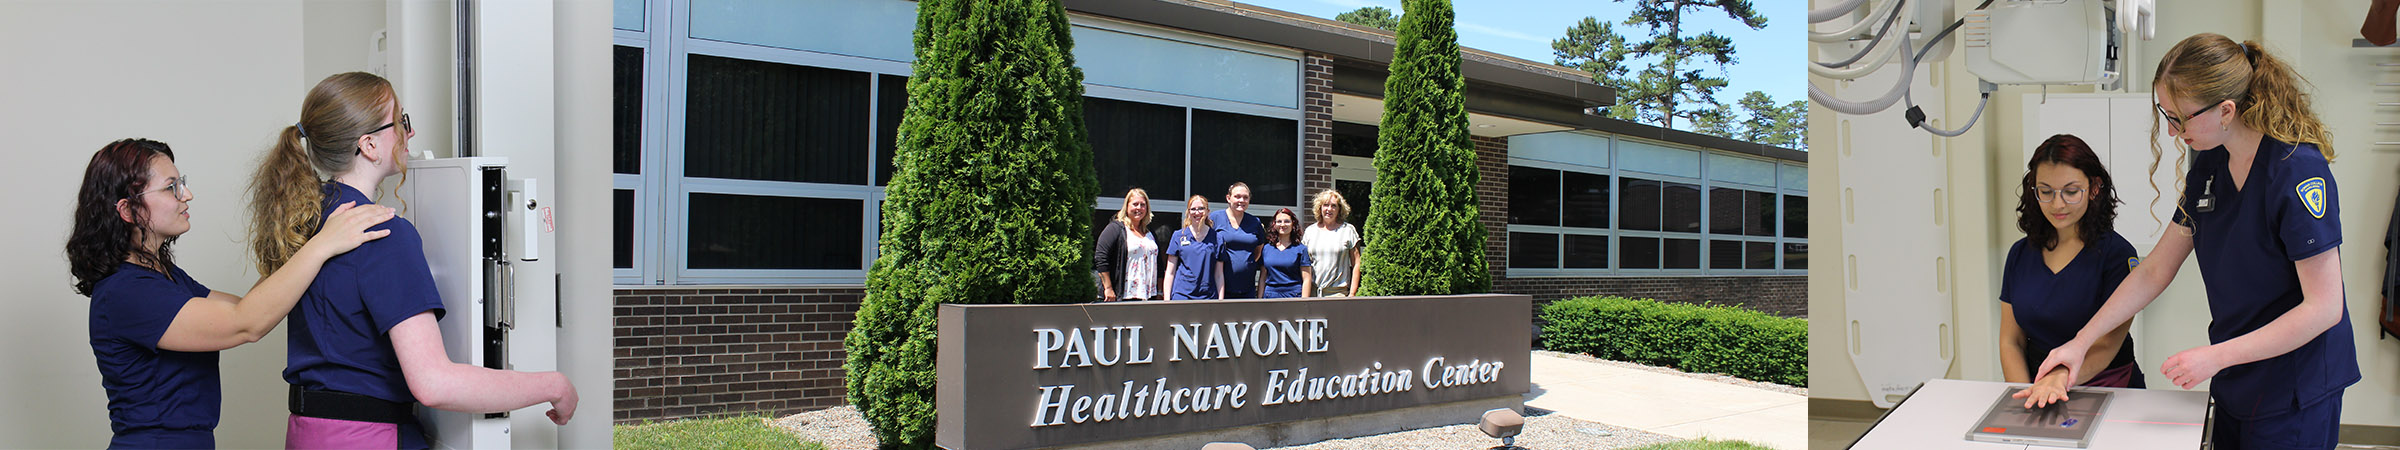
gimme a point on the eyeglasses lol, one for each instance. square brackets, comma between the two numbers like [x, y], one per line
[181, 185]
[2177, 122]
[2071, 195]
[403, 123]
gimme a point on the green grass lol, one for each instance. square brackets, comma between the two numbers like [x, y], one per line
[737, 432]
[1696, 444]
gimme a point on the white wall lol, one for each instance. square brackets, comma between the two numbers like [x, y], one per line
[586, 77]
[215, 80]
[1988, 161]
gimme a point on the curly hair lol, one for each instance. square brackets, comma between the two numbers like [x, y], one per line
[2101, 216]
[2209, 68]
[286, 193]
[1341, 207]
[100, 240]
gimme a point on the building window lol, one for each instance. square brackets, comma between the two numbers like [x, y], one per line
[765, 161]
[1717, 214]
[761, 232]
[757, 120]
[1262, 152]
[1136, 145]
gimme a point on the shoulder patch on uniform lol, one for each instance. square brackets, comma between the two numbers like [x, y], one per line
[2312, 195]
[2133, 261]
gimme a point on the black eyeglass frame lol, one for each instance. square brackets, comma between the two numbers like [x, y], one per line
[2172, 121]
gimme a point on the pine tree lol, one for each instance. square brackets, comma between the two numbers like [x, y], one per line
[1423, 236]
[991, 202]
[1373, 16]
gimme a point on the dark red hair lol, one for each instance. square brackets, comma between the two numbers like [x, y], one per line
[2099, 217]
[101, 240]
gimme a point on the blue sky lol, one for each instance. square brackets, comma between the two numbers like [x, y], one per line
[1768, 59]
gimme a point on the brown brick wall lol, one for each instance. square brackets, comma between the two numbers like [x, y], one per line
[1316, 129]
[702, 352]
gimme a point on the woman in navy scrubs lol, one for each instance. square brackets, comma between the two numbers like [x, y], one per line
[1287, 269]
[2261, 211]
[364, 343]
[1195, 259]
[1239, 234]
[2069, 261]
[155, 331]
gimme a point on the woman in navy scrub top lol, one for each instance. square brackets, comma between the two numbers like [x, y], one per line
[2069, 261]
[2261, 211]
[364, 342]
[1287, 269]
[1238, 234]
[155, 331]
[1195, 259]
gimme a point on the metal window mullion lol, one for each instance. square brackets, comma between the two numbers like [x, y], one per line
[672, 238]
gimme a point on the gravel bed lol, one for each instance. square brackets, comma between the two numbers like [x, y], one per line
[841, 428]
[1720, 378]
[1545, 432]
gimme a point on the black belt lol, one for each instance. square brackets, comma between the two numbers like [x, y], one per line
[338, 405]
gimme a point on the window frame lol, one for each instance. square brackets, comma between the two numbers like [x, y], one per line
[1616, 234]
[662, 192]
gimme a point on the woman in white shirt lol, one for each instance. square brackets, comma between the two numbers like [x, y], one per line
[1333, 245]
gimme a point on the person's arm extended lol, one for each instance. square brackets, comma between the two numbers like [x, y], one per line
[441, 384]
[2320, 308]
[2141, 286]
[222, 321]
[2012, 347]
[2103, 351]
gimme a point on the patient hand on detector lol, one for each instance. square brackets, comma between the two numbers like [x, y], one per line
[2051, 388]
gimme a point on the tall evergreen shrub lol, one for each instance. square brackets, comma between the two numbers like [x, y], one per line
[991, 203]
[1423, 237]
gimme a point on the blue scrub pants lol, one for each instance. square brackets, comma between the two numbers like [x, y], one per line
[2310, 428]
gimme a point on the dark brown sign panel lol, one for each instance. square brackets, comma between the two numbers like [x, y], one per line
[1027, 376]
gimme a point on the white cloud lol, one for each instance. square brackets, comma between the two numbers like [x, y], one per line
[1501, 33]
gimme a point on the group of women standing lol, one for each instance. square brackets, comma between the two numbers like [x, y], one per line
[2258, 208]
[364, 346]
[1228, 254]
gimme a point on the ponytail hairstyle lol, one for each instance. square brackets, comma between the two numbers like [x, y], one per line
[287, 193]
[1125, 215]
[2210, 68]
[1196, 222]
[101, 240]
[2100, 214]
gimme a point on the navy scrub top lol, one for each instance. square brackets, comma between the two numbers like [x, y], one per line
[1283, 267]
[157, 398]
[1195, 267]
[339, 330]
[1241, 244]
[2051, 307]
[2286, 211]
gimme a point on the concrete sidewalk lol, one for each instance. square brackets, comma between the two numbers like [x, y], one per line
[1668, 404]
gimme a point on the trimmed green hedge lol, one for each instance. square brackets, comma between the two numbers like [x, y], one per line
[1692, 338]
[990, 201]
